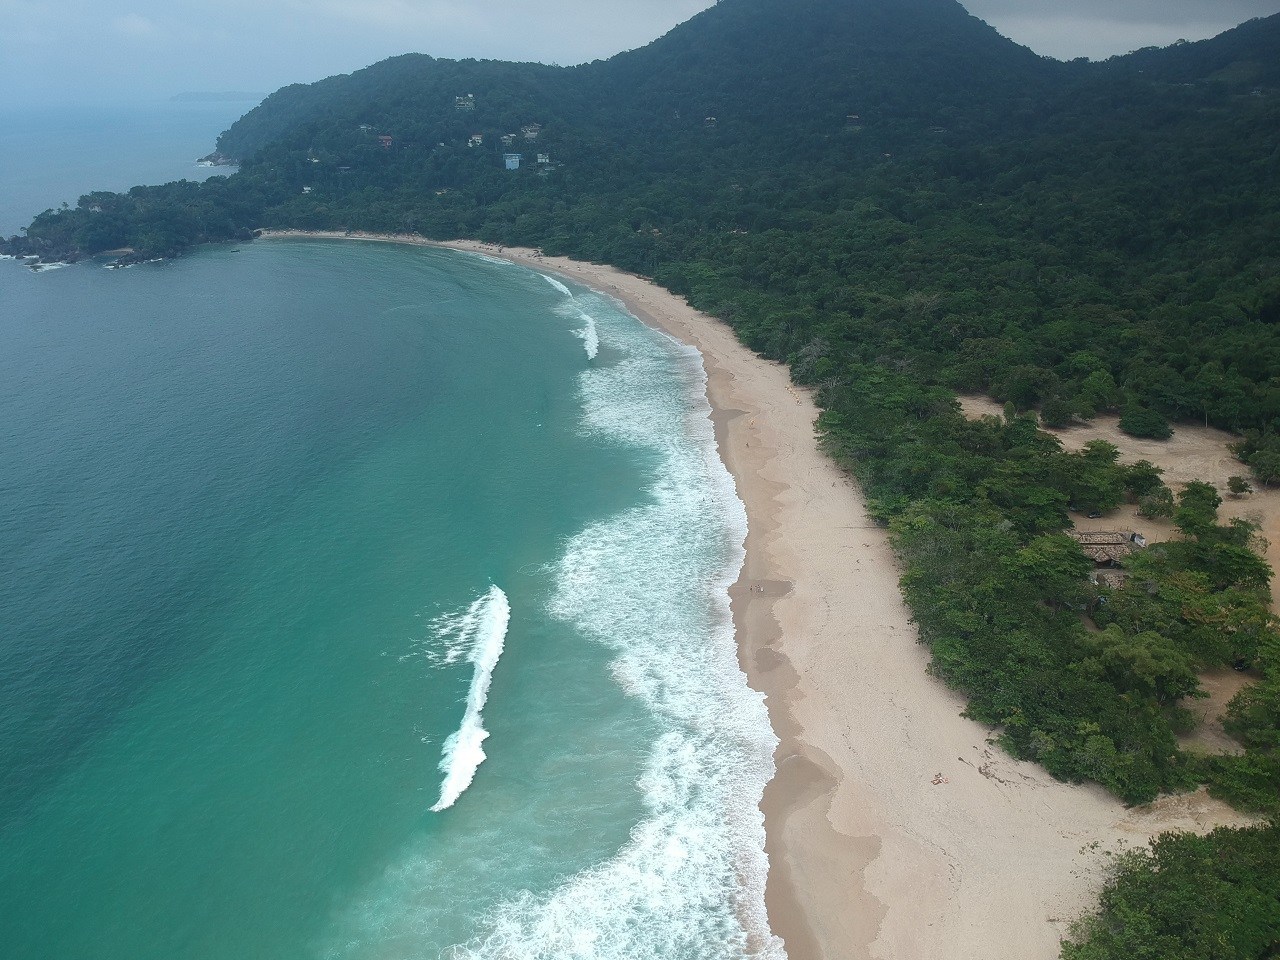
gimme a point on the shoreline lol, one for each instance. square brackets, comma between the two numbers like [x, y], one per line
[869, 857]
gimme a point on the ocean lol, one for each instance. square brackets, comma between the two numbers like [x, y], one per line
[364, 601]
[53, 155]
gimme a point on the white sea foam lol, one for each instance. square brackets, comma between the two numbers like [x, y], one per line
[45, 267]
[557, 284]
[589, 332]
[652, 585]
[481, 631]
[133, 263]
[489, 259]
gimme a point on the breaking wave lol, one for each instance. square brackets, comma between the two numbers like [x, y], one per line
[481, 632]
[557, 284]
[589, 332]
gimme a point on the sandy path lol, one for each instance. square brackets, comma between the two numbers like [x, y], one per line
[870, 858]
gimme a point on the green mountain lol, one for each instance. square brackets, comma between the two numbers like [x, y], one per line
[766, 70]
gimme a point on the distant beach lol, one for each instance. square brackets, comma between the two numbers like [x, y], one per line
[894, 829]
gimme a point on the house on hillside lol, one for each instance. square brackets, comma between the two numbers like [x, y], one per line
[531, 130]
[512, 160]
[385, 141]
[467, 102]
[475, 140]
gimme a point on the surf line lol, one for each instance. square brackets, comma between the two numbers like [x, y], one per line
[589, 335]
[484, 626]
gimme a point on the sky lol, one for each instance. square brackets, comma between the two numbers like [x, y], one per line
[87, 50]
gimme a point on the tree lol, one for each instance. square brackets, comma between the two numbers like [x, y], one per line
[1057, 412]
[1266, 466]
[1053, 567]
[1094, 482]
[1144, 663]
[1189, 898]
[1139, 421]
[1142, 478]
[1157, 504]
[1098, 392]
[1239, 486]
[1197, 511]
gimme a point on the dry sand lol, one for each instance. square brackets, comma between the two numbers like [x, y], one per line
[869, 857]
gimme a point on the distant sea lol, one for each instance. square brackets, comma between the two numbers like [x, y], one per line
[52, 155]
[357, 601]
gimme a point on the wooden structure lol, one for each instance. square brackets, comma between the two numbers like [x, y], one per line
[1112, 579]
[1107, 547]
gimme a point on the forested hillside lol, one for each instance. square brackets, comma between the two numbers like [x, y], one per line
[901, 204]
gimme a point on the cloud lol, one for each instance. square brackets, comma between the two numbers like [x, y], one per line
[399, 14]
[135, 27]
[1066, 37]
[53, 50]
[1102, 28]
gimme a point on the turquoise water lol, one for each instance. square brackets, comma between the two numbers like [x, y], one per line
[363, 601]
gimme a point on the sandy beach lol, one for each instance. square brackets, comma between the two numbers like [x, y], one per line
[895, 830]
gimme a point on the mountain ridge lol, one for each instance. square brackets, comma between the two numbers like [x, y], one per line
[786, 44]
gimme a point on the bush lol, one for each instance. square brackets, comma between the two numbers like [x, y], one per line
[1139, 421]
[1238, 486]
[1056, 412]
[1156, 505]
[1189, 898]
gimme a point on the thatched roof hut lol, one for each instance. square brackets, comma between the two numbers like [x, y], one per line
[1107, 546]
[1109, 578]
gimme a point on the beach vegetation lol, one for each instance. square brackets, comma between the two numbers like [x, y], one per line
[1238, 486]
[1187, 897]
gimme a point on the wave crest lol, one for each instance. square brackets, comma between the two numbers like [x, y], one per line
[482, 632]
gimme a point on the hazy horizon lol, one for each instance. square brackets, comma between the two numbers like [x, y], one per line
[80, 52]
